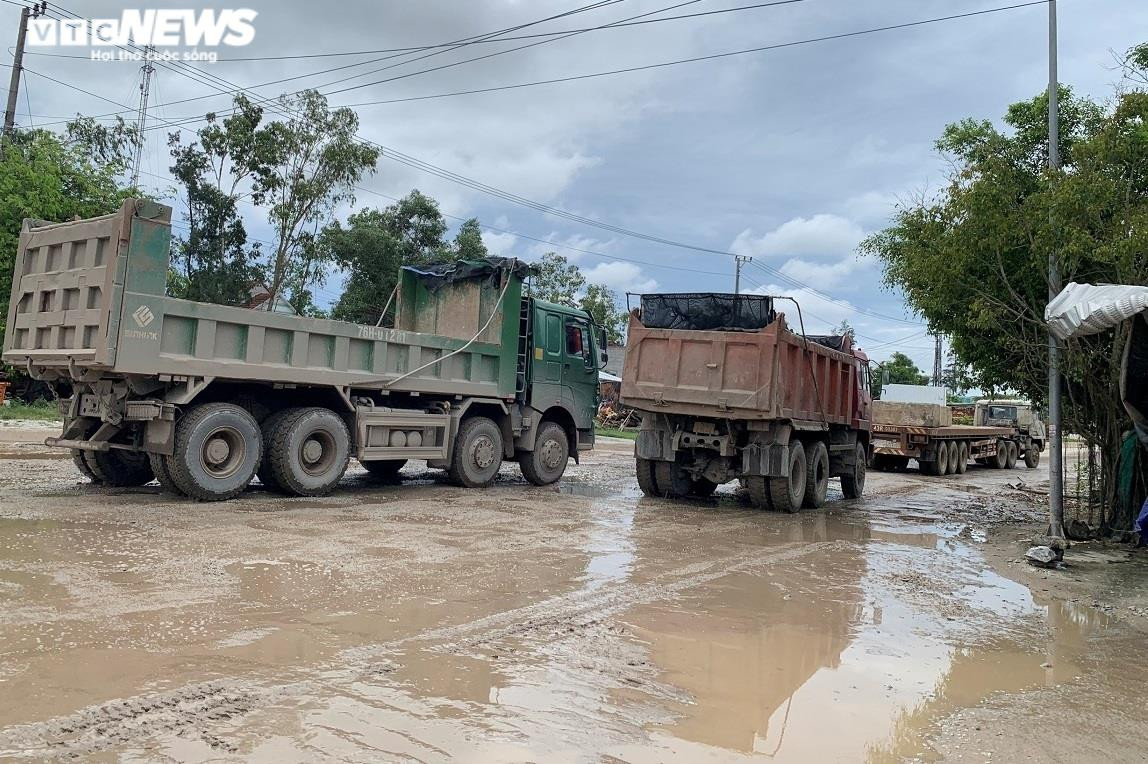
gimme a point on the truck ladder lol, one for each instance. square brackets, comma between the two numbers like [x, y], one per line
[523, 347]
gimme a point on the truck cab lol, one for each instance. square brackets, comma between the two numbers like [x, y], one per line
[567, 354]
[1018, 414]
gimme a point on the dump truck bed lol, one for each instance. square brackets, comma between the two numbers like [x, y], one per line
[767, 374]
[90, 294]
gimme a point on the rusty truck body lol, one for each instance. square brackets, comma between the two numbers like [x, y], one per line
[1002, 433]
[204, 396]
[728, 391]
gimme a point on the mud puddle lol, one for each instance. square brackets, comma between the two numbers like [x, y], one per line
[425, 622]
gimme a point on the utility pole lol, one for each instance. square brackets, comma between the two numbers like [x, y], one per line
[146, 72]
[17, 70]
[739, 260]
[937, 370]
[35, 12]
[1055, 454]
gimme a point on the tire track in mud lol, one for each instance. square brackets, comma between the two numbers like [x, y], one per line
[194, 710]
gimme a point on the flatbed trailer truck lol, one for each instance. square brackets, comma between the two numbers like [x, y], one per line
[203, 397]
[1004, 432]
[728, 392]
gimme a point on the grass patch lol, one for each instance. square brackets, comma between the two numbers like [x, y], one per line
[607, 432]
[40, 410]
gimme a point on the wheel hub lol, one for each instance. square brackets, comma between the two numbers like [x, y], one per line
[551, 454]
[312, 451]
[216, 451]
[483, 452]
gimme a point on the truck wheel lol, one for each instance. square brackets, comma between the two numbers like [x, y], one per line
[267, 427]
[1031, 456]
[787, 493]
[309, 451]
[118, 468]
[477, 453]
[941, 464]
[647, 481]
[546, 463]
[384, 470]
[217, 449]
[853, 485]
[1000, 460]
[758, 488]
[163, 473]
[1010, 461]
[962, 457]
[82, 465]
[673, 481]
[954, 457]
[816, 476]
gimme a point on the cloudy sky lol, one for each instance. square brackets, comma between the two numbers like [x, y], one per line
[790, 155]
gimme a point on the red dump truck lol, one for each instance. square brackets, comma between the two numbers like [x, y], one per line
[728, 392]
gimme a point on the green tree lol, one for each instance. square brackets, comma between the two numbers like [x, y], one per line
[556, 280]
[602, 305]
[313, 162]
[226, 165]
[47, 176]
[374, 244]
[845, 329]
[468, 243]
[973, 260]
[898, 370]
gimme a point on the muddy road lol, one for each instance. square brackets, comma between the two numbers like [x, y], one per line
[423, 622]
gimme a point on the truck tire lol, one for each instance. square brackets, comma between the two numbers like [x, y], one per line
[941, 464]
[955, 458]
[1031, 456]
[546, 463]
[853, 485]
[816, 475]
[384, 470]
[163, 473]
[1001, 458]
[673, 481]
[82, 465]
[758, 488]
[267, 427]
[647, 480]
[309, 451]
[787, 493]
[477, 453]
[962, 457]
[217, 449]
[1010, 460]
[118, 468]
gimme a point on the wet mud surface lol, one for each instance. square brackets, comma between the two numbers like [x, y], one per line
[583, 622]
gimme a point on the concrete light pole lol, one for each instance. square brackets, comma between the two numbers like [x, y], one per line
[1055, 452]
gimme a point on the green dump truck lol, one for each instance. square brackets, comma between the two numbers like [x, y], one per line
[204, 397]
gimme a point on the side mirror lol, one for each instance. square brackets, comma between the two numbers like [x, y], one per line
[602, 345]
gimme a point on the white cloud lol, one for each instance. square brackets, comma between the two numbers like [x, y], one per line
[823, 235]
[621, 277]
[499, 244]
[826, 276]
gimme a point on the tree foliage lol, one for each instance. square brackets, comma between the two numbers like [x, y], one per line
[374, 244]
[974, 260]
[602, 305]
[556, 280]
[54, 177]
[898, 370]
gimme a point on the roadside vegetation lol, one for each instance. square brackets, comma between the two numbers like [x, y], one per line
[607, 432]
[973, 259]
[39, 411]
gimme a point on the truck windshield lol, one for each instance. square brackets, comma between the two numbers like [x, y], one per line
[1002, 412]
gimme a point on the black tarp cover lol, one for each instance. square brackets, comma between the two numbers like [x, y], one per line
[707, 311]
[435, 275]
[1134, 377]
[831, 341]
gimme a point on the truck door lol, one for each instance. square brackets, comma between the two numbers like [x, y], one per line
[580, 371]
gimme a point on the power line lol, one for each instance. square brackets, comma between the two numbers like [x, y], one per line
[429, 168]
[692, 60]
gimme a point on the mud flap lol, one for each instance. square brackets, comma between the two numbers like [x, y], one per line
[765, 460]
